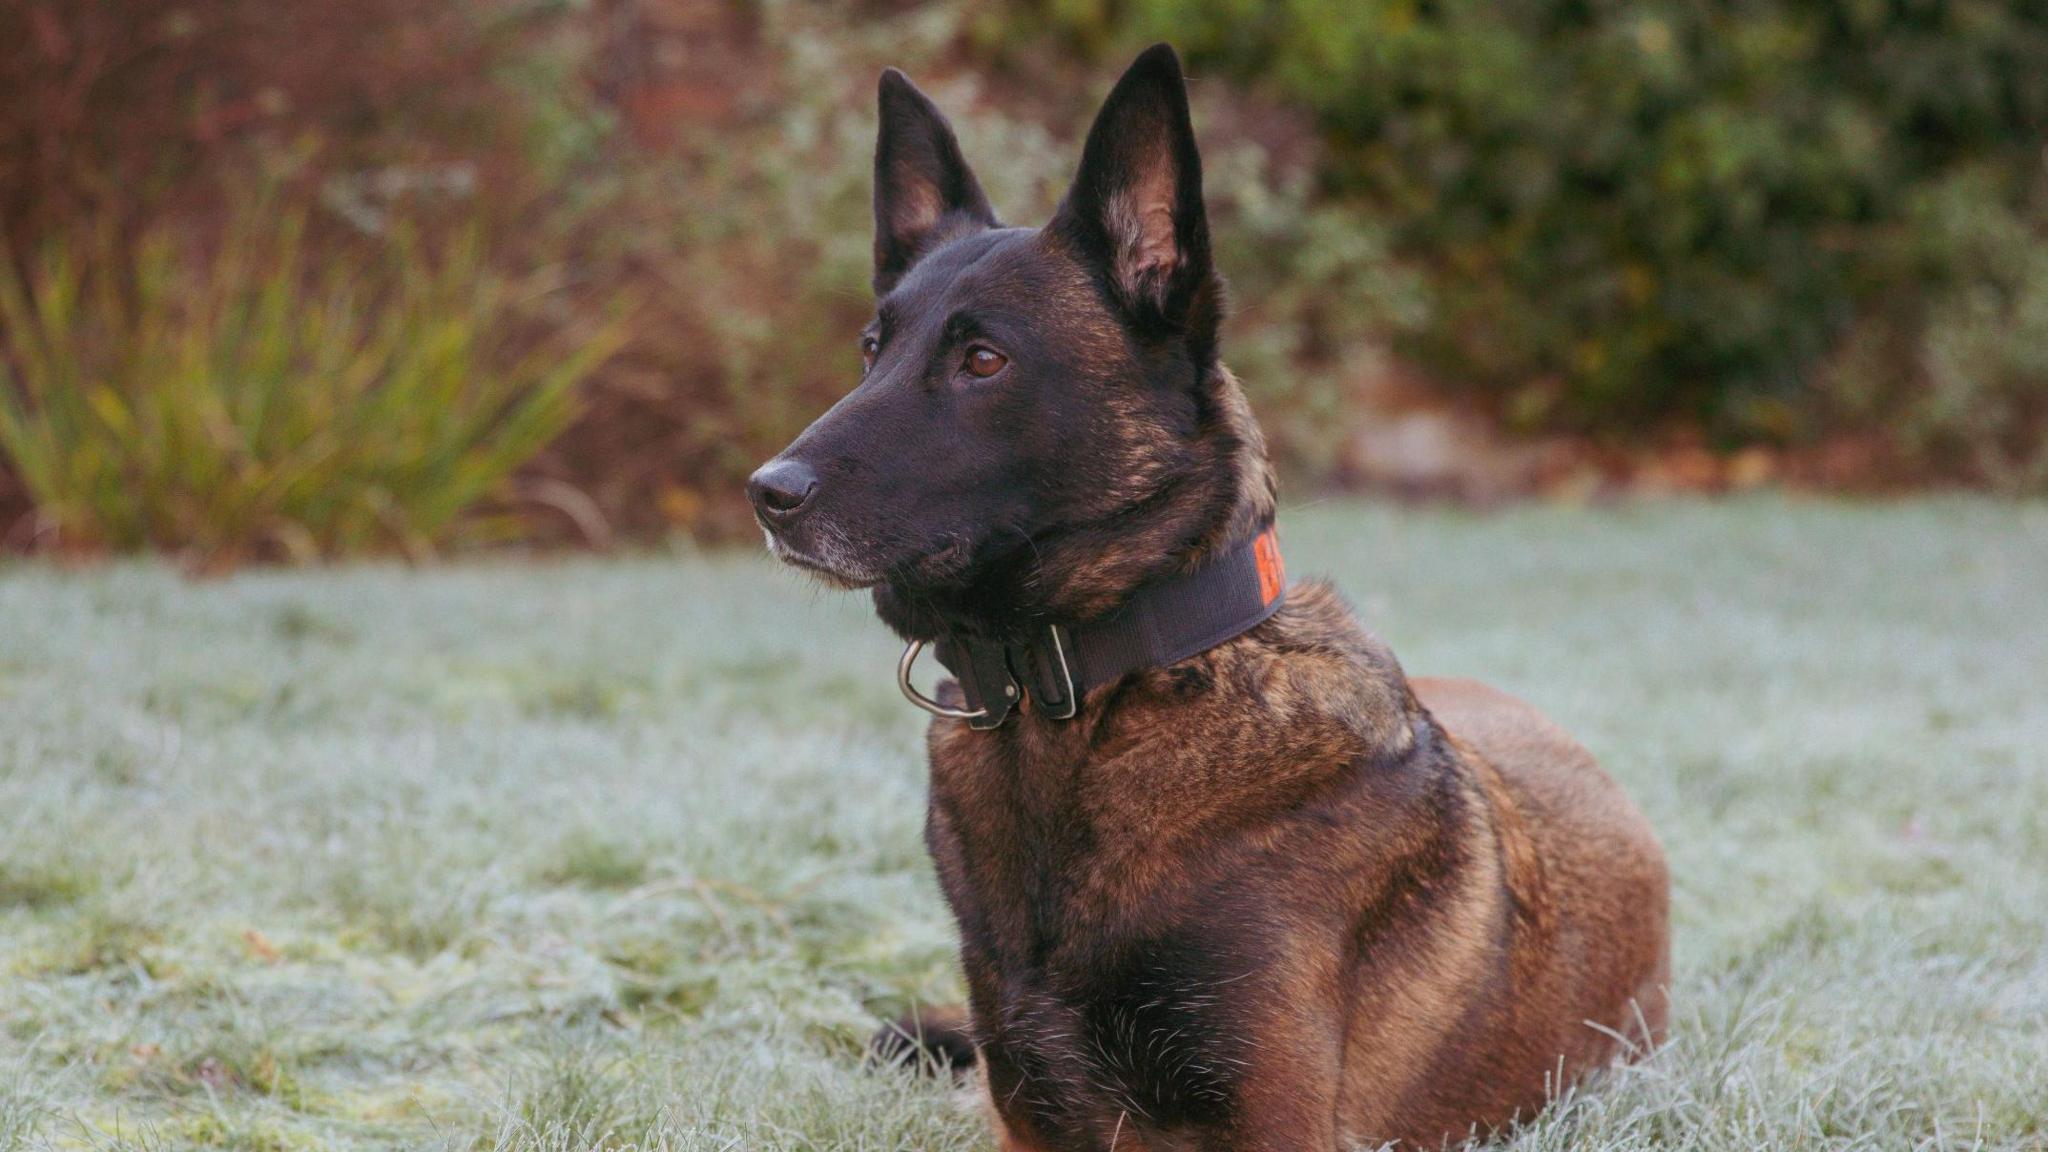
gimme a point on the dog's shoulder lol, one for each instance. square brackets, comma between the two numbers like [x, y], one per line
[1309, 693]
[1306, 697]
[1315, 664]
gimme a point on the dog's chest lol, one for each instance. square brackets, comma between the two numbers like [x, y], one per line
[1150, 1039]
[1103, 987]
[1040, 837]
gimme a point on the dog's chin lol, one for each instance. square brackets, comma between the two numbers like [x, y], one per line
[933, 567]
[834, 572]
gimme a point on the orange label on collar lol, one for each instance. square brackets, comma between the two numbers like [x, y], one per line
[1272, 573]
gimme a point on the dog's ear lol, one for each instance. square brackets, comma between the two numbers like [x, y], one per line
[1135, 208]
[923, 187]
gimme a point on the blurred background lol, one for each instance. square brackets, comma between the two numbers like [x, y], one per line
[296, 280]
[574, 852]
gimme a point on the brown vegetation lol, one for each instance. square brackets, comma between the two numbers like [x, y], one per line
[697, 171]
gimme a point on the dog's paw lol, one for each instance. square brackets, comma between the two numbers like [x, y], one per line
[930, 1040]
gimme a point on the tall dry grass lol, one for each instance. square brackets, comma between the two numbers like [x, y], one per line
[261, 403]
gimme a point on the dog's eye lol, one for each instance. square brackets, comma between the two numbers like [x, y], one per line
[985, 362]
[869, 346]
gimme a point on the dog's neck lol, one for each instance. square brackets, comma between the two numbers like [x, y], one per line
[1223, 497]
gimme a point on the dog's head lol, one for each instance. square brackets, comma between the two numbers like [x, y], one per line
[1025, 393]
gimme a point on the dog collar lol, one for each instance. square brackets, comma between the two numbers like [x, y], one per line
[1160, 625]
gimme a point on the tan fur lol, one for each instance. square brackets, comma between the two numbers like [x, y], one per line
[1589, 891]
[1141, 220]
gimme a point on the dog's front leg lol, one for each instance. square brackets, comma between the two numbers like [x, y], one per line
[1287, 1098]
[1290, 1111]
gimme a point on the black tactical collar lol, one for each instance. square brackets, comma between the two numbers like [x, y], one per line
[1161, 624]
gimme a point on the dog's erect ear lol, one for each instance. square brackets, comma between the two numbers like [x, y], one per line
[1135, 208]
[923, 187]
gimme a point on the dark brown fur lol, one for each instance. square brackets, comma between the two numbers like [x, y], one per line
[1276, 896]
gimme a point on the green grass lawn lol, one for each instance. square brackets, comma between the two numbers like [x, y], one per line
[626, 852]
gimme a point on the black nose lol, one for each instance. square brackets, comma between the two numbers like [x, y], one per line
[781, 488]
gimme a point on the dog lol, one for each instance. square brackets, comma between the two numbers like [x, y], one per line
[1246, 885]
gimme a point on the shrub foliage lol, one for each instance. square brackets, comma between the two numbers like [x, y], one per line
[1768, 219]
[1632, 212]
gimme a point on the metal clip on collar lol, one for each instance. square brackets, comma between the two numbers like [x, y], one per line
[1043, 670]
[920, 699]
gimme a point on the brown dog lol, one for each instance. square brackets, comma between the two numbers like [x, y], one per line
[1259, 891]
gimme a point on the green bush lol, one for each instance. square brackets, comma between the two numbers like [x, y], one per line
[1984, 407]
[1314, 296]
[1629, 213]
[1955, 368]
[251, 406]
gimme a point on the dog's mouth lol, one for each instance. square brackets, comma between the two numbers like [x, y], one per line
[935, 565]
[832, 571]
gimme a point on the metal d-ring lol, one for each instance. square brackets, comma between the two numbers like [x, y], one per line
[920, 699]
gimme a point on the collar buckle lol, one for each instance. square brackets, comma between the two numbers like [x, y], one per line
[1157, 626]
[997, 677]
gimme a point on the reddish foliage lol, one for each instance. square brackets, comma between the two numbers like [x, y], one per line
[123, 108]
